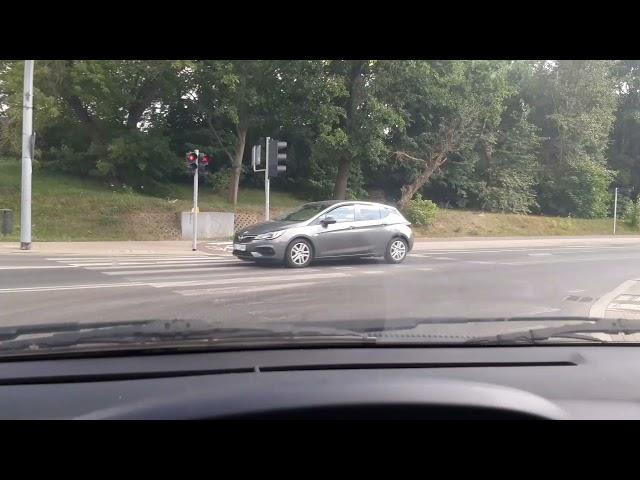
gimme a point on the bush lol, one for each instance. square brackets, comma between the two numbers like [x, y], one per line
[219, 180]
[420, 211]
[631, 214]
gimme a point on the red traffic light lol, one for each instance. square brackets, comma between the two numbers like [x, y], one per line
[192, 157]
[205, 159]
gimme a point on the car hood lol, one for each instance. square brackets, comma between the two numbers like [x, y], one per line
[270, 226]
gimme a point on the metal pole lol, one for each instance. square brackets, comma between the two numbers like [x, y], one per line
[194, 245]
[615, 211]
[266, 182]
[27, 157]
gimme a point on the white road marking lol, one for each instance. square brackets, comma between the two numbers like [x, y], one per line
[266, 278]
[481, 262]
[527, 249]
[569, 260]
[371, 272]
[170, 262]
[443, 258]
[540, 254]
[576, 291]
[228, 273]
[626, 298]
[69, 287]
[424, 269]
[624, 306]
[134, 257]
[241, 291]
[600, 306]
[36, 267]
[169, 270]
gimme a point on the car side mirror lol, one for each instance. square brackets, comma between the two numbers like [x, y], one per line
[327, 221]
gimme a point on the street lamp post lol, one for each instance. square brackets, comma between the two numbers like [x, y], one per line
[27, 157]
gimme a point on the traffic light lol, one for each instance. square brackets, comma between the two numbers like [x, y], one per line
[192, 160]
[276, 157]
[205, 159]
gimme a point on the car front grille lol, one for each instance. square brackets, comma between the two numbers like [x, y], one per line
[243, 238]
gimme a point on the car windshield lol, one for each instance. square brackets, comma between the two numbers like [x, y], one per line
[468, 202]
[304, 213]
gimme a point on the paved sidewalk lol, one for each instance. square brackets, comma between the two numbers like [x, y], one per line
[102, 248]
[212, 246]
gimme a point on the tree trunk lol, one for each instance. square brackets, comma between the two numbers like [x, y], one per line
[236, 164]
[340, 187]
[81, 113]
[408, 191]
[356, 97]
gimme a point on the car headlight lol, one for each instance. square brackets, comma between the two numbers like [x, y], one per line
[269, 236]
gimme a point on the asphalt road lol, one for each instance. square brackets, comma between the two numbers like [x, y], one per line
[472, 282]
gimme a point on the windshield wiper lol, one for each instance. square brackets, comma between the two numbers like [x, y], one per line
[8, 333]
[606, 326]
[382, 325]
[141, 332]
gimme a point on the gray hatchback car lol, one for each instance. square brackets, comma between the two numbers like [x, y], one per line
[326, 230]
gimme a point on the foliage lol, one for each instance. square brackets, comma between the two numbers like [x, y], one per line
[421, 212]
[575, 102]
[522, 137]
[632, 214]
[219, 181]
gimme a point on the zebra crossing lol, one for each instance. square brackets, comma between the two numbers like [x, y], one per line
[216, 275]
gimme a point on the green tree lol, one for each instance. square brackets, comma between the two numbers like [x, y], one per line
[90, 115]
[234, 97]
[358, 138]
[624, 148]
[575, 104]
[455, 105]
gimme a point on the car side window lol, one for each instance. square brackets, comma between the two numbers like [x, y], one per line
[368, 213]
[391, 215]
[343, 214]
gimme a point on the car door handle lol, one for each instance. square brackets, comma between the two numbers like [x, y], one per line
[352, 227]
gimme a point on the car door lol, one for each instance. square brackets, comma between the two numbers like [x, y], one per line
[337, 238]
[370, 232]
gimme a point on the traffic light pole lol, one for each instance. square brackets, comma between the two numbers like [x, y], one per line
[615, 211]
[194, 245]
[266, 184]
[27, 157]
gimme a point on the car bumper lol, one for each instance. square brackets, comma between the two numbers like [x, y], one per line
[260, 251]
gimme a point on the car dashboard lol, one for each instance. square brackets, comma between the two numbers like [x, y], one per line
[373, 383]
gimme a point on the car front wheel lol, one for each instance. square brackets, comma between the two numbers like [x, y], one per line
[396, 250]
[299, 254]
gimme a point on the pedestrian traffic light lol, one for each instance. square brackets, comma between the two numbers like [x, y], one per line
[276, 157]
[192, 160]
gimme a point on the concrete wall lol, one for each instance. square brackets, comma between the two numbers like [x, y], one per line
[210, 225]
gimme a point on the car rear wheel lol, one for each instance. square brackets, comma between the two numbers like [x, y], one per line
[396, 250]
[299, 254]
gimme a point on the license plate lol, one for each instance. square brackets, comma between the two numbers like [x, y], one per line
[240, 247]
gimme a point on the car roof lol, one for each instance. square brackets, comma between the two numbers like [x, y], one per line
[329, 203]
